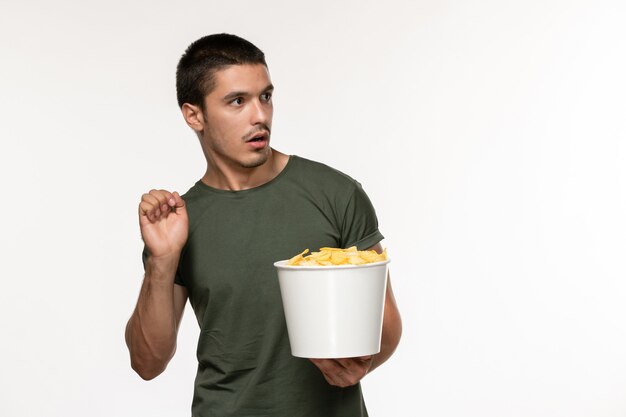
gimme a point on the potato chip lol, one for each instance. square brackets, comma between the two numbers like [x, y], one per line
[350, 249]
[321, 256]
[298, 258]
[336, 256]
[356, 260]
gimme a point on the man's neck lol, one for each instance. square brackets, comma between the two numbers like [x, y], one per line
[224, 176]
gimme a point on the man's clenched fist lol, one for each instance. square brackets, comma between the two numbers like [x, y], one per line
[164, 223]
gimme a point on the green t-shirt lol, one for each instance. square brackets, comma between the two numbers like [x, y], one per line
[245, 366]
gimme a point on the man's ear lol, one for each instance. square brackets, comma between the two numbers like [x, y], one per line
[193, 116]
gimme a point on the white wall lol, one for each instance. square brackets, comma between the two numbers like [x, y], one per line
[489, 134]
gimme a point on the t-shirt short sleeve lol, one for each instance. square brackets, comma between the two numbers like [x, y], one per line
[144, 257]
[360, 225]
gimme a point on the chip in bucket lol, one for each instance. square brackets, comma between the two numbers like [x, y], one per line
[337, 256]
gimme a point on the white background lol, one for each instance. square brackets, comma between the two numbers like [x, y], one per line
[489, 135]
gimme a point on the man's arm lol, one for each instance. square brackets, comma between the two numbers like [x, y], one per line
[345, 372]
[152, 329]
[392, 324]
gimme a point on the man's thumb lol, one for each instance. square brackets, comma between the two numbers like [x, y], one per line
[178, 200]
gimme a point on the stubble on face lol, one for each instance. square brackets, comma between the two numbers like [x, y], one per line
[218, 145]
[261, 155]
[258, 162]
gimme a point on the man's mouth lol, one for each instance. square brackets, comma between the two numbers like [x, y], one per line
[259, 137]
[259, 140]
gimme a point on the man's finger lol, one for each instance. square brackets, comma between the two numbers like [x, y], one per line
[162, 196]
[159, 203]
[354, 369]
[148, 207]
[145, 208]
[347, 363]
[337, 374]
[177, 200]
[151, 199]
[328, 368]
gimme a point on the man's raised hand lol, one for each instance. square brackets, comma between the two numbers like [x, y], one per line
[164, 223]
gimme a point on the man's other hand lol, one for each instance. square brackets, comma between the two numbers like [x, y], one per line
[344, 372]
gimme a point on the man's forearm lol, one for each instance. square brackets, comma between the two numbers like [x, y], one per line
[392, 330]
[151, 330]
[389, 342]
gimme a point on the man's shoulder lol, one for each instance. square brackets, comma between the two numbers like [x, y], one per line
[322, 173]
[197, 199]
[192, 193]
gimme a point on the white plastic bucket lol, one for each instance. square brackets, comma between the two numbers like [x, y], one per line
[333, 311]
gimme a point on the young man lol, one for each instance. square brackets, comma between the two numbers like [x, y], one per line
[216, 246]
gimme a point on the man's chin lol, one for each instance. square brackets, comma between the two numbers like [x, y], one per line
[257, 161]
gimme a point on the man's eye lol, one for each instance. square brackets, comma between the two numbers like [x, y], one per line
[238, 101]
[266, 96]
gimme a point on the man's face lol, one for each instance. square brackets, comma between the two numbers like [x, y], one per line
[238, 116]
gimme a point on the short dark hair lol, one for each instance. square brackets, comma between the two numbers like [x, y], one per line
[196, 68]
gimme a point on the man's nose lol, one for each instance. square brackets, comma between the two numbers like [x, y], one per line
[261, 112]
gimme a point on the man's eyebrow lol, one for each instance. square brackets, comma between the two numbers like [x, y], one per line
[235, 94]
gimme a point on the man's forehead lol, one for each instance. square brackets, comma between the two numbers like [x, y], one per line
[242, 77]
